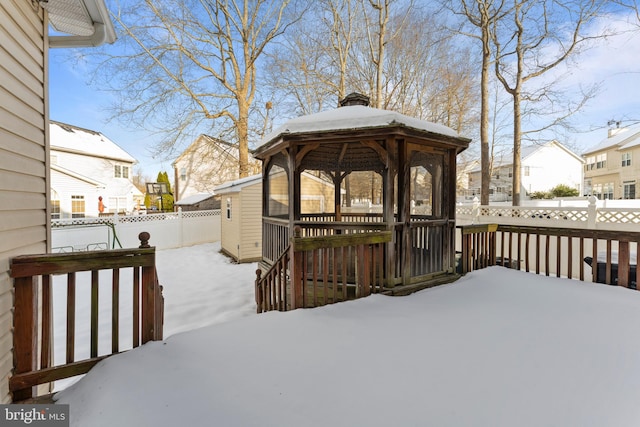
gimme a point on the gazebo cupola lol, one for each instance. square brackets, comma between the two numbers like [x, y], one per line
[392, 175]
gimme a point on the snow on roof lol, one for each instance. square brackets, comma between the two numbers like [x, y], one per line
[238, 184]
[354, 117]
[623, 139]
[195, 198]
[66, 137]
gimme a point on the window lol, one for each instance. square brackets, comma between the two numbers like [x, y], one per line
[626, 160]
[183, 174]
[527, 171]
[77, 207]
[601, 161]
[117, 204]
[591, 163]
[229, 208]
[510, 173]
[55, 209]
[120, 171]
[629, 190]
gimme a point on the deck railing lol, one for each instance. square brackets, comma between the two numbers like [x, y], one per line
[596, 255]
[322, 270]
[33, 317]
[271, 288]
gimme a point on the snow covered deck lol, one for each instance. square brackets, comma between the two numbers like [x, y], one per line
[496, 348]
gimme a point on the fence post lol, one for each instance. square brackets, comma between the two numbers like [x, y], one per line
[592, 212]
[475, 211]
[181, 229]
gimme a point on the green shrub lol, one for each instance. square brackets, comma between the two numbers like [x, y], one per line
[562, 190]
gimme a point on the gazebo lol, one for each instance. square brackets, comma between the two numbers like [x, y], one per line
[387, 226]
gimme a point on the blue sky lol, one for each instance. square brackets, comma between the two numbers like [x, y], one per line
[614, 65]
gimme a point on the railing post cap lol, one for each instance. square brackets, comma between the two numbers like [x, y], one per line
[144, 239]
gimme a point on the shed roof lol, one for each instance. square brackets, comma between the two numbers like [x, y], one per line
[238, 184]
[193, 199]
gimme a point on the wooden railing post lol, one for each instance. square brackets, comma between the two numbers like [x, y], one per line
[297, 259]
[259, 294]
[150, 299]
[25, 332]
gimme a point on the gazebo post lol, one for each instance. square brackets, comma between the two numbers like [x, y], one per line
[337, 198]
[404, 209]
[388, 200]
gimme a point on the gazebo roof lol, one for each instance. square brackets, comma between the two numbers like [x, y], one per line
[356, 119]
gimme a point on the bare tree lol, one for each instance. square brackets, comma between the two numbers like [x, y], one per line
[191, 65]
[536, 37]
[481, 15]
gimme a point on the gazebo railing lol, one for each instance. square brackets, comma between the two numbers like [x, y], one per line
[322, 270]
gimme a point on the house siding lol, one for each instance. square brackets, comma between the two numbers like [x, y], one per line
[230, 233]
[614, 173]
[23, 154]
[251, 236]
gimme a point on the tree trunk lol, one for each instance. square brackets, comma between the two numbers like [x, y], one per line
[485, 177]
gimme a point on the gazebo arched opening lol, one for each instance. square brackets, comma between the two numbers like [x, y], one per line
[370, 182]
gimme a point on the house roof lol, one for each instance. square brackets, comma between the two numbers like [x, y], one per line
[193, 199]
[87, 21]
[73, 139]
[197, 144]
[506, 159]
[78, 176]
[623, 139]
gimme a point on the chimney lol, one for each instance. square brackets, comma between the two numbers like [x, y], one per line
[355, 98]
[613, 131]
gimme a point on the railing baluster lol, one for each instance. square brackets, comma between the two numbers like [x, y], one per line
[115, 311]
[71, 316]
[46, 327]
[136, 307]
[94, 313]
[608, 278]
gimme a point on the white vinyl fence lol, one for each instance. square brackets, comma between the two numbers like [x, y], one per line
[593, 214]
[167, 230]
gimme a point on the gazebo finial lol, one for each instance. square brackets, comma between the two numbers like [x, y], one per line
[354, 98]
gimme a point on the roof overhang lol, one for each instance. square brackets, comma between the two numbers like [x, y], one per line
[87, 22]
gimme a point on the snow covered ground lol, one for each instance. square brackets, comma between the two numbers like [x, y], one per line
[496, 348]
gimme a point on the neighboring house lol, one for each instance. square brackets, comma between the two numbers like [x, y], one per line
[544, 166]
[463, 178]
[241, 205]
[24, 131]
[205, 164]
[612, 167]
[86, 165]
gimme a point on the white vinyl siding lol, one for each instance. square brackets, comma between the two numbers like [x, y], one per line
[23, 153]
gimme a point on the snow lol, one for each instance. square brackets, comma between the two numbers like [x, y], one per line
[75, 139]
[496, 348]
[354, 117]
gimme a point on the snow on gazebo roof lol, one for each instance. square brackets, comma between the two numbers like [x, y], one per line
[354, 117]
